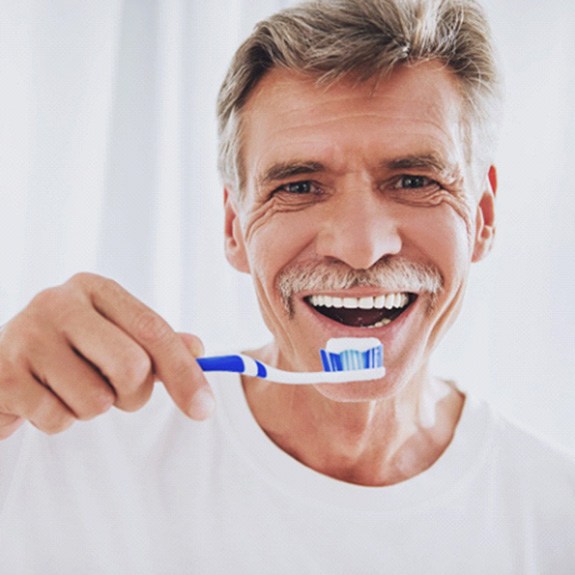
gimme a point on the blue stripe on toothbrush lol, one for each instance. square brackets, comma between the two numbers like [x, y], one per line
[262, 371]
[233, 363]
[325, 360]
[331, 361]
[222, 363]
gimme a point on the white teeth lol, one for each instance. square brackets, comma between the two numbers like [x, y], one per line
[389, 301]
[366, 303]
[350, 302]
[381, 323]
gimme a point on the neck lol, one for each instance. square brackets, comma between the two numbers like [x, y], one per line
[377, 442]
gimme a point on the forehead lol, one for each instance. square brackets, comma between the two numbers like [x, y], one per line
[416, 110]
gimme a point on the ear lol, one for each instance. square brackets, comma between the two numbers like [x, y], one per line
[485, 218]
[234, 246]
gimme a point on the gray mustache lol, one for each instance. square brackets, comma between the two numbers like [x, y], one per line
[392, 274]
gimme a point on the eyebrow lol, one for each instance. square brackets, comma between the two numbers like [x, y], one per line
[427, 161]
[284, 170]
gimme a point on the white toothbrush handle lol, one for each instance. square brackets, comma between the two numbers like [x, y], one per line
[313, 377]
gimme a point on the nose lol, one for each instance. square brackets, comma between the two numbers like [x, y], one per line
[360, 229]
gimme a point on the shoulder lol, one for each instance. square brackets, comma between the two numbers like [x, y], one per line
[527, 463]
[531, 449]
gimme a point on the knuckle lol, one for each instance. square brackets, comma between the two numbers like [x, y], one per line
[20, 341]
[98, 403]
[54, 426]
[106, 288]
[88, 283]
[50, 417]
[152, 329]
[193, 344]
[83, 279]
[46, 311]
[137, 367]
[130, 372]
[135, 401]
[9, 383]
[11, 390]
[46, 300]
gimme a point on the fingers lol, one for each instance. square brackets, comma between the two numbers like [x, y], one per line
[171, 360]
[123, 367]
[9, 424]
[193, 344]
[82, 347]
[25, 398]
[74, 381]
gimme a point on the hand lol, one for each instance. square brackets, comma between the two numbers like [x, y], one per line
[79, 348]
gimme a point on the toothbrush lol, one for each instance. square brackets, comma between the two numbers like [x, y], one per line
[344, 359]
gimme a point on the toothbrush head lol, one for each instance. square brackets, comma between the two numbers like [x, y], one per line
[360, 357]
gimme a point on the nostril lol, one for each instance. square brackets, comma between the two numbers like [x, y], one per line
[360, 244]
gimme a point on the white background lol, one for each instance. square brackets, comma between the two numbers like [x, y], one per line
[107, 164]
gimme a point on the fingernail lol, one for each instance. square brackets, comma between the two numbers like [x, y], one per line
[203, 404]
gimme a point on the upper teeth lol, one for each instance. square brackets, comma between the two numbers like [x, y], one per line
[389, 301]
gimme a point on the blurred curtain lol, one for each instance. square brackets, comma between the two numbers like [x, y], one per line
[108, 152]
[107, 164]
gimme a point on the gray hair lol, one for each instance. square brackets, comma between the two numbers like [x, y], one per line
[333, 39]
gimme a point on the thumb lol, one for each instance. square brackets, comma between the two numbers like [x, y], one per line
[193, 344]
[203, 402]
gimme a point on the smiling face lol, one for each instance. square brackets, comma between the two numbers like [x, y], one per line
[359, 217]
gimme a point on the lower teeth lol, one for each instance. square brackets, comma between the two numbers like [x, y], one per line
[380, 323]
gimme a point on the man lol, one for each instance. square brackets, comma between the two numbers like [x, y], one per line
[359, 188]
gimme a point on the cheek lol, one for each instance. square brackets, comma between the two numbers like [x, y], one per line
[275, 240]
[444, 235]
[457, 201]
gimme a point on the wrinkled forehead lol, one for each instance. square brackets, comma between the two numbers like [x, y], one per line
[288, 112]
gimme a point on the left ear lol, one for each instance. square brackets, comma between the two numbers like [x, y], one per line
[485, 218]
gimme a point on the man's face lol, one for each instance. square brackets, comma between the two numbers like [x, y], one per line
[359, 218]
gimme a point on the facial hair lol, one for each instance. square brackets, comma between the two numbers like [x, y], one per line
[392, 274]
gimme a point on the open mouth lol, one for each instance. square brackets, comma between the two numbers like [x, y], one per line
[370, 311]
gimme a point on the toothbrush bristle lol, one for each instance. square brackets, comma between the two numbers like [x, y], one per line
[344, 354]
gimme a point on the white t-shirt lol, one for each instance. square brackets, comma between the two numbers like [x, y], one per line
[156, 493]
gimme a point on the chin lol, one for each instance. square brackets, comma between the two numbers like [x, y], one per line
[359, 391]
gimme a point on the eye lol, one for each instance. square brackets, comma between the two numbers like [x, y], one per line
[297, 188]
[414, 182]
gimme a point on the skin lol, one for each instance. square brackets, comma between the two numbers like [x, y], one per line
[350, 175]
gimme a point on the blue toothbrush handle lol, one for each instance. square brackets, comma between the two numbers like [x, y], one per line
[222, 363]
[233, 363]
